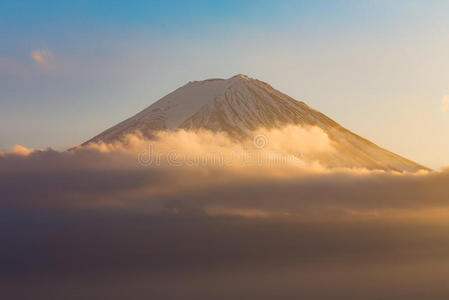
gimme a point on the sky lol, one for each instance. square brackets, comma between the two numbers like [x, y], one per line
[69, 70]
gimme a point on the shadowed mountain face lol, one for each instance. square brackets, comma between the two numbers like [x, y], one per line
[238, 106]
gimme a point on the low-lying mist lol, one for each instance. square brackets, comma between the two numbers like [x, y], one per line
[198, 216]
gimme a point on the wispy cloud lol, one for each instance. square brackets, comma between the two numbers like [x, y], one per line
[42, 57]
[445, 103]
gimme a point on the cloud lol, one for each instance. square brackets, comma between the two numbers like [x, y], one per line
[445, 104]
[291, 138]
[213, 175]
[21, 150]
[290, 146]
[44, 62]
[42, 57]
[97, 220]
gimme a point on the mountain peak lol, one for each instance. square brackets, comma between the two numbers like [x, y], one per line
[240, 76]
[237, 77]
[240, 105]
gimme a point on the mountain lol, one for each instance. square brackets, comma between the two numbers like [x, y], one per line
[240, 105]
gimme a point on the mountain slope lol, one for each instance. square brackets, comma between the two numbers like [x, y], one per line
[240, 105]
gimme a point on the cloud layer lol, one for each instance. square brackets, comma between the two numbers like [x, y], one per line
[98, 221]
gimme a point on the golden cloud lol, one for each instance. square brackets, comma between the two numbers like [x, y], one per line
[42, 57]
[445, 104]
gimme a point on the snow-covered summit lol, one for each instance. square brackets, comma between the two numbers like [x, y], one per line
[240, 105]
[183, 107]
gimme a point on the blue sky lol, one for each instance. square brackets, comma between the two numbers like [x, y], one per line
[70, 69]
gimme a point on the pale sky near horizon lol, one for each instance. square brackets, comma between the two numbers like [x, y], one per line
[69, 70]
